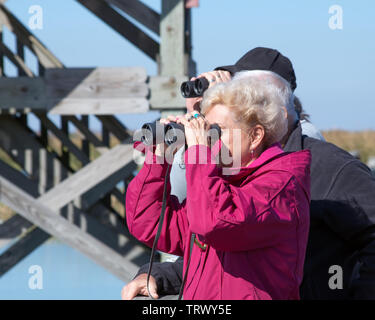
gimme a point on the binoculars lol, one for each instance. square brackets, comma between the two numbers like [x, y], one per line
[193, 89]
[154, 133]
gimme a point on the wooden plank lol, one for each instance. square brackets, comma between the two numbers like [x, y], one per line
[123, 26]
[89, 176]
[113, 125]
[87, 133]
[63, 138]
[16, 60]
[22, 92]
[140, 12]
[101, 107]
[102, 91]
[165, 92]
[95, 83]
[172, 60]
[114, 235]
[37, 212]
[1, 54]
[23, 247]
[14, 227]
[45, 57]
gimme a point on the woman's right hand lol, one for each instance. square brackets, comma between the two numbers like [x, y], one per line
[162, 147]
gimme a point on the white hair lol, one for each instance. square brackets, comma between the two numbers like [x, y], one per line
[284, 87]
[255, 97]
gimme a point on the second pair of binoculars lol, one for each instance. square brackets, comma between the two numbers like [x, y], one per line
[196, 88]
[156, 132]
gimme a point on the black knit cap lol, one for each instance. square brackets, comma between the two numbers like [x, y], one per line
[265, 59]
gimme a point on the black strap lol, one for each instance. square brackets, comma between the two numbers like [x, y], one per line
[161, 219]
[192, 239]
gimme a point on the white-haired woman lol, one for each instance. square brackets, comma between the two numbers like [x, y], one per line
[250, 215]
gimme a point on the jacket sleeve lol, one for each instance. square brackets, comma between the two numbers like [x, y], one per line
[230, 219]
[352, 216]
[168, 275]
[143, 207]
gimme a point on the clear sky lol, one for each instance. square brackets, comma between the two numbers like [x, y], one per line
[334, 68]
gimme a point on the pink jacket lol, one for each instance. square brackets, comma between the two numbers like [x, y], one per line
[255, 224]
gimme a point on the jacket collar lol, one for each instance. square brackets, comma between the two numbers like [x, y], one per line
[295, 140]
[233, 174]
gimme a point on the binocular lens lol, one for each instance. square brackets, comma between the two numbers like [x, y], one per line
[193, 89]
[154, 133]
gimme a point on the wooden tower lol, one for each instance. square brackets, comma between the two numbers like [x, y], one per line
[64, 185]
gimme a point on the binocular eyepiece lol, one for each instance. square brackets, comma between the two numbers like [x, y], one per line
[154, 133]
[193, 89]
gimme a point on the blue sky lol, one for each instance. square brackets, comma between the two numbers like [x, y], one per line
[334, 68]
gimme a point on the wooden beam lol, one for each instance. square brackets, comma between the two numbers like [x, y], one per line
[172, 60]
[14, 227]
[102, 91]
[165, 92]
[65, 140]
[140, 12]
[45, 57]
[116, 237]
[116, 128]
[123, 26]
[22, 92]
[89, 176]
[79, 124]
[37, 212]
[16, 60]
[22, 248]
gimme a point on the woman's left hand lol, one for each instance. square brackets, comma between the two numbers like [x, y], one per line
[196, 128]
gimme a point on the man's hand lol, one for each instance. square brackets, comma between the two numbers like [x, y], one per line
[138, 286]
[213, 77]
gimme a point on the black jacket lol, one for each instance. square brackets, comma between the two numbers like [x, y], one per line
[342, 226]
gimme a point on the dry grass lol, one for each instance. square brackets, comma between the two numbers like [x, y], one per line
[361, 141]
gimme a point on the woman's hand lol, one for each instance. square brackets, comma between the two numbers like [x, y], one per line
[162, 147]
[196, 128]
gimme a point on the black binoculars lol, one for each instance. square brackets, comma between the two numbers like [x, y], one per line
[193, 89]
[154, 133]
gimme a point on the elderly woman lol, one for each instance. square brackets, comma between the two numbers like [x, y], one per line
[251, 222]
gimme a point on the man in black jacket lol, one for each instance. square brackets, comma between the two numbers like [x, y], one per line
[340, 256]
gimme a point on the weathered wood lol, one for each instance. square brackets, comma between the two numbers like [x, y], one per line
[21, 53]
[45, 57]
[165, 92]
[102, 91]
[22, 92]
[16, 60]
[140, 12]
[99, 83]
[14, 227]
[90, 175]
[102, 106]
[80, 125]
[117, 237]
[172, 60]
[23, 247]
[31, 156]
[115, 127]
[37, 212]
[63, 138]
[1, 54]
[123, 26]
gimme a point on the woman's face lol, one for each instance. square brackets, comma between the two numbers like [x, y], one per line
[235, 137]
